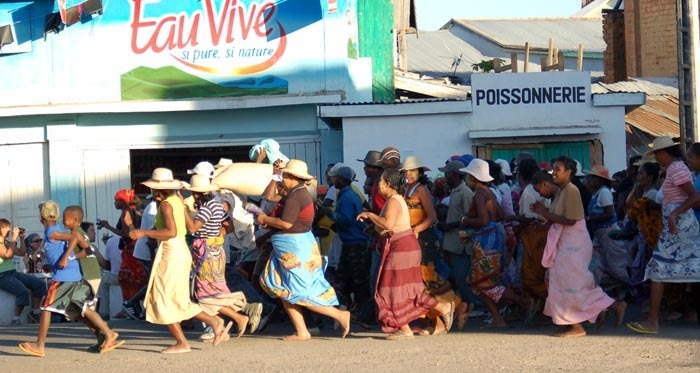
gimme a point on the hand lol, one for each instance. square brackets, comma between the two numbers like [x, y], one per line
[15, 233]
[136, 234]
[364, 215]
[415, 233]
[103, 224]
[539, 208]
[62, 263]
[261, 218]
[672, 224]
[261, 155]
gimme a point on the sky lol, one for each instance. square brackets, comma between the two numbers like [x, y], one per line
[433, 14]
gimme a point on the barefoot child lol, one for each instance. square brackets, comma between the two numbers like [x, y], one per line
[68, 292]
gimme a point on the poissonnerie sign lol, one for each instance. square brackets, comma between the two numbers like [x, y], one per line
[553, 89]
[530, 95]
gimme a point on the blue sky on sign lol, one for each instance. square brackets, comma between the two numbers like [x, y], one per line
[433, 14]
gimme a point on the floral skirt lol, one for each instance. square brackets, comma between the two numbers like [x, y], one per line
[676, 257]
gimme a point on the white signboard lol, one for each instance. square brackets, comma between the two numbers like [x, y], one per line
[532, 99]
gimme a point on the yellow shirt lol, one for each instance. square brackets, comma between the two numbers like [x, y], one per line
[567, 203]
[178, 215]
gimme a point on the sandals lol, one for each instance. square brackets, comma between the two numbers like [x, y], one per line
[116, 344]
[638, 327]
[218, 337]
[399, 336]
[449, 317]
[29, 350]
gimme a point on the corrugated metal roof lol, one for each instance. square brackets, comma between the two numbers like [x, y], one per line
[567, 33]
[658, 117]
[433, 53]
[660, 86]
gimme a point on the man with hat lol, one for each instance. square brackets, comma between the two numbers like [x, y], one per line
[353, 270]
[457, 251]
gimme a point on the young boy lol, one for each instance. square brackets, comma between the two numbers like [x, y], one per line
[68, 293]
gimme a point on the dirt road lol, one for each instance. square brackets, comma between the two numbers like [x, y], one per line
[477, 349]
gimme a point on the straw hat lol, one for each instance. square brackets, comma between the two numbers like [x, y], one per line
[505, 166]
[162, 178]
[600, 171]
[297, 168]
[479, 169]
[647, 158]
[661, 142]
[201, 184]
[412, 162]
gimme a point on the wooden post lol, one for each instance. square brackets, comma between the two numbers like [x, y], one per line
[560, 60]
[514, 62]
[550, 56]
[579, 64]
[527, 55]
[543, 64]
[555, 56]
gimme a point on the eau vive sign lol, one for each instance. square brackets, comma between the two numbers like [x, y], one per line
[207, 30]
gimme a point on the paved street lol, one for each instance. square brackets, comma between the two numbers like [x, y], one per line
[476, 349]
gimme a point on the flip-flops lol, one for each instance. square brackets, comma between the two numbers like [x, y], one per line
[399, 336]
[639, 328]
[116, 344]
[449, 317]
[30, 351]
[218, 338]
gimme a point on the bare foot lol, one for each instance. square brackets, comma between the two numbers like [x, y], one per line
[32, 348]
[619, 307]
[575, 330]
[601, 319]
[297, 337]
[176, 349]
[110, 339]
[345, 322]
[241, 325]
[439, 327]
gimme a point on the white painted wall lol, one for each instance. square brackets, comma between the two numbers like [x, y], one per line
[433, 138]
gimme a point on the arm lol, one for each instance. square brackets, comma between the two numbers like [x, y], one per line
[540, 208]
[386, 222]
[607, 214]
[692, 200]
[426, 201]
[269, 221]
[193, 225]
[22, 249]
[270, 192]
[170, 230]
[482, 213]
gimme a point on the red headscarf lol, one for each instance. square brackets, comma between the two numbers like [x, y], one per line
[125, 195]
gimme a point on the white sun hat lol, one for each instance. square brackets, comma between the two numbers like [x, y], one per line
[479, 169]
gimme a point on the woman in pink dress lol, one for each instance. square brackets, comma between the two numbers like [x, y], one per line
[572, 295]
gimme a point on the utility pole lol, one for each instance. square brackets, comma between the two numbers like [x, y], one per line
[688, 22]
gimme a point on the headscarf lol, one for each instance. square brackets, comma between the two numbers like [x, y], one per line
[125, 195]
[272, 150]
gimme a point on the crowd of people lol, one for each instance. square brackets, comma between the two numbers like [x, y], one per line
[541, 242]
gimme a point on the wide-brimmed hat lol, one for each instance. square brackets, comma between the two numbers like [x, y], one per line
[412, 162]
[600, 171]
[202, 168]
[162, 178]
[505, 166]
[661, 142]
[372, 158]
[647, 158]
[479, 169]
[201, 184]
[390, 153]
[297, 168]
[452, 166]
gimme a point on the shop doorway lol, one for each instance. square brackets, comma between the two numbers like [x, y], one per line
[586, 152]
